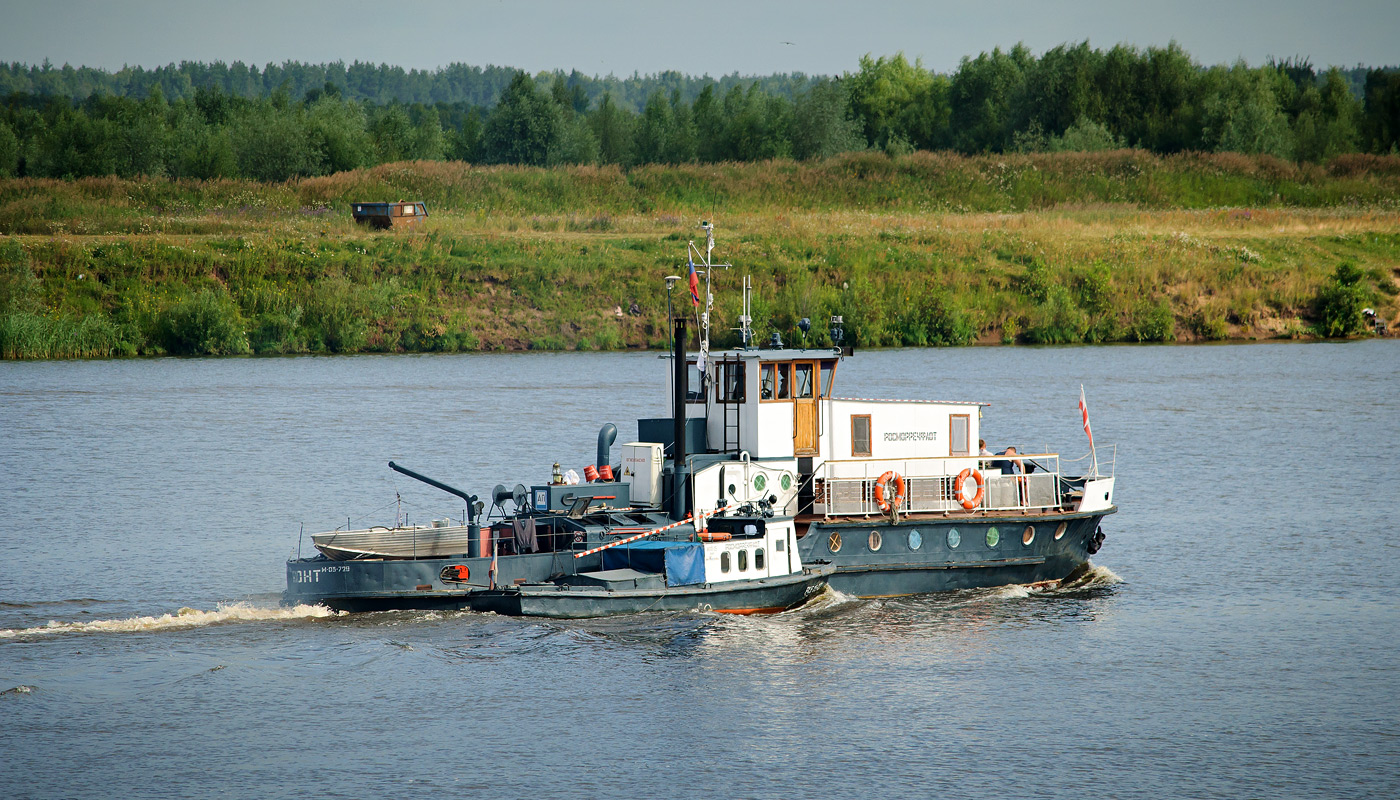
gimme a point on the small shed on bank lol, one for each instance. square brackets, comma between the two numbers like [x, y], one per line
[390, 215]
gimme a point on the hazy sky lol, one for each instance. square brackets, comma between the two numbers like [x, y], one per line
[622, 36]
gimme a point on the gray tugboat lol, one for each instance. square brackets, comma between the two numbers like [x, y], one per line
[879, 498]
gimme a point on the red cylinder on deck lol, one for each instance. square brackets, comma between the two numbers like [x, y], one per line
[590, 473]
[606, 472]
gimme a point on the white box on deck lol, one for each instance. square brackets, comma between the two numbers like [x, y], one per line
[641, 467]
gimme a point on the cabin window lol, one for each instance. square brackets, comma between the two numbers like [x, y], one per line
[802, 381]
[958, 434]
[784, 381]
[758, 558]
[765, 382]
[730, 387]
[694, 383]
[743, 560]
[408, 211]
[860, 435]
[724, 561]
[828, 371]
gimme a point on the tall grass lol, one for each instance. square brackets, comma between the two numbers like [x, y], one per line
[928, 249]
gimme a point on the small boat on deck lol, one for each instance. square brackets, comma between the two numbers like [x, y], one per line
[740, 565]
[414, 541]
[874, 497]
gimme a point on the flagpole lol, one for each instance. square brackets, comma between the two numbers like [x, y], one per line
[1093, 452]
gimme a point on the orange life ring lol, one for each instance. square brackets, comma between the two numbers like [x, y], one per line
[898, 500]
[715, 536]
[968, 503]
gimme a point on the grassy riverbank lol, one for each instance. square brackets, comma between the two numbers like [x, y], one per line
[925, 249]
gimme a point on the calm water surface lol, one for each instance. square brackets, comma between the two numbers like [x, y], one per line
[1241, 639]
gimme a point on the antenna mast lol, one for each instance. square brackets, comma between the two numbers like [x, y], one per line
[704, 258]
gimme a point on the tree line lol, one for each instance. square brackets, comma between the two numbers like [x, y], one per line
[1072, 97]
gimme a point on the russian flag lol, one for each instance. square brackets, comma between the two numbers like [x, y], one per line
[694, 282]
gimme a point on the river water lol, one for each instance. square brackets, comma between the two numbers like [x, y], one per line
[1239, 639]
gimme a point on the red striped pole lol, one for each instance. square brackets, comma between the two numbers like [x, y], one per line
[635, 538]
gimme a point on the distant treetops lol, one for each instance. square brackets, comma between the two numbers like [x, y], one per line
[294, 120]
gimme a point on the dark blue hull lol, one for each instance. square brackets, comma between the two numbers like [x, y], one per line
[875, 558]
[383, 584]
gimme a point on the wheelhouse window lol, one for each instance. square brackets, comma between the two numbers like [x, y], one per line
[802, 386]
[958, 435]
[775, 382]
[828, 371]
[730, 387]
[860, 435]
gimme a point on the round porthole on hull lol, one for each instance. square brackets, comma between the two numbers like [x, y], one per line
[954, 539]
[833, 542]
[1060, 530]
[993, 537]
[1028, 535]
[916, 540]
[876, 541]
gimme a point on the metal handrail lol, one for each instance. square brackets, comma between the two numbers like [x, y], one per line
[933, 492]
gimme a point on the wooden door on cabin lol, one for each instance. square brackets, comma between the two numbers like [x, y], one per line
[804, 411]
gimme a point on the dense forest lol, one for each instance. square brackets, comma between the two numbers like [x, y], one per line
[295, 120]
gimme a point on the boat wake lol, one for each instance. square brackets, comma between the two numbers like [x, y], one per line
[1090, 576]
[827, 603]
[182, 619]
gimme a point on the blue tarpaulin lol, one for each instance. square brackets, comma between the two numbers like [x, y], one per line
[683, 562]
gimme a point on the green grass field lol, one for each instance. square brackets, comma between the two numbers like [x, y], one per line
[920, 250]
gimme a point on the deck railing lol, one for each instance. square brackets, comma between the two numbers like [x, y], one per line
[847, 488]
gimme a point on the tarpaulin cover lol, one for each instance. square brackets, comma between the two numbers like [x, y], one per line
[683, 562]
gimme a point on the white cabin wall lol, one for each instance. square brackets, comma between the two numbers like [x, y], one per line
[773, 430]
[775, 563]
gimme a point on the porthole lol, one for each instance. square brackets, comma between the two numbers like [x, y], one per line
[954, 539]
[875, 541]
[758, 558]
[724, 562]
[1060, 531]
[833, 542]
[759, 481]
[916, 540]
[993, 536]
[785, 481]
[743, 560]
[1028, 535]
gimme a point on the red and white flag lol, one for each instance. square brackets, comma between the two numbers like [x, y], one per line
[1084, 409]
[493, 564]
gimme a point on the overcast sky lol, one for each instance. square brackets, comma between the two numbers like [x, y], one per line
[623, 36]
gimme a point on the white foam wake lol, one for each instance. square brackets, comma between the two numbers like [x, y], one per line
[180, 620]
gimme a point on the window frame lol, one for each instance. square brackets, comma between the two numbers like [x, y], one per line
[952, 438]
[869, 436]
[695, 396]
[813, 377]
[723, 369]
[781, 369]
